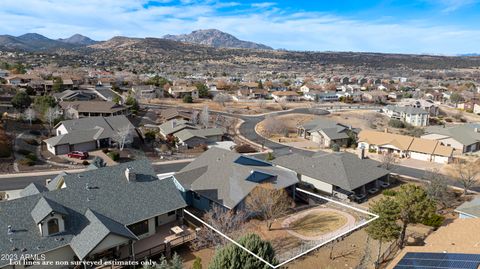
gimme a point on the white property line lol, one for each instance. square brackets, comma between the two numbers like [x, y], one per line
[305, 252]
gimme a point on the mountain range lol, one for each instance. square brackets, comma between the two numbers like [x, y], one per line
[33, 42]
[217, 39]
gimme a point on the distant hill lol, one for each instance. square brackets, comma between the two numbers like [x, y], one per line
[78, 39]
[217, 39]
[36, 42]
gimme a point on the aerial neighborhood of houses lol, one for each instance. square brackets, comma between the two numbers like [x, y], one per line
[111, 165]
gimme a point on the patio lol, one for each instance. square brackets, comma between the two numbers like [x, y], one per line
[164, 238]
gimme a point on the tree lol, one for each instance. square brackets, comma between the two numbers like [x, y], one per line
[388, 161]
[57, 84]
[176, 262]
[415, 207]
[21, 100]
[456, 98]
[30, 115]
[234, 257]
[42, 103]
[271, 126]
[260, 84]
[51, 115]
[385, 228]
[123, 136]
[269, 157]
[335, 147]
[227, 221]
[202, 90]
[221, 98]
[117, 99]
[268, 202]
[197, 264]
[283, 103]
[132, 103]
[204, 117]
[466, 173]
[157, 81]
[187, 99]
[437, 187]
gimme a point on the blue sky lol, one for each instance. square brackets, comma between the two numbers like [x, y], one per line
[419, 26]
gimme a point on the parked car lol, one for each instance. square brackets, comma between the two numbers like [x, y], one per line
[82, 155]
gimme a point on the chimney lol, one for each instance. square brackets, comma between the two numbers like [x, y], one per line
[130, 175]
[476, 130]
[361, 154]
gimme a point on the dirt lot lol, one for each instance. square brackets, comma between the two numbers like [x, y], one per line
[363, 119]
[291, 121]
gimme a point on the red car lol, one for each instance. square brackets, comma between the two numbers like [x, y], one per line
[78, 155]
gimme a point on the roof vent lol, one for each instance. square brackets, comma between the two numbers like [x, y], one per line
[14, 249]
[130, 175]
[9, 230]
[24, 250]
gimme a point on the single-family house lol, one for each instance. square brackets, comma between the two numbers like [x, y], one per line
[463, 137]
[375, 96]
[453, 245]
[74, 95]
[289, 96]
[226, 178]
[181, 90]
[191, 138]
[122, 212]
[326, 132]
[427, 105]
[405, 146]
[412, 115]
[173, 126]
[339, 174]
[469, 209]
[175, 114]
[147, 91]
[81, 109]
[86, 134]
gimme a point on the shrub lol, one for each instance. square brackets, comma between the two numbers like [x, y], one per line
[115, 156]
[335, 147]
[269, 157]
[396, 123]
[24, 151]
[150, 135]
[105, 151]
[85, 162]
[32, 156]
[26, 162]
[448, 120]
[372, 150]
[434, 221]
[35, 132]
[197, 264]
[32, 142]
[244, 148]
[187, 99]
[389, 192]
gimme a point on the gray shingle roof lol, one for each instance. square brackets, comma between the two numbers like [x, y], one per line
[32, 189]
[108, 194]
[464, 133]
[95, 232]
[44, 207]
[471, 208]
[223, 176]
[89, 129]
[186, 134]
[173, 126]
[344, 170]
[406, 109]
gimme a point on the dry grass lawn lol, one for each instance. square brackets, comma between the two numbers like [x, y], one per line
[318, 223]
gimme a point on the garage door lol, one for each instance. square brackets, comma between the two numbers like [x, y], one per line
[88, 146]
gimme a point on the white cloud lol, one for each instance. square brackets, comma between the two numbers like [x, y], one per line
[272, 26]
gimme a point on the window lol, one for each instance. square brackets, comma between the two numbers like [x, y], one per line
[171, 213]
[52, 226]
[139, 228]
[196, 196]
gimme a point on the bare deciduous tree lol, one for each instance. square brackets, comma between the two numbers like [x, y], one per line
[272, 125]
[437, 187]
[123, 136]
[268, 202]
[283, 103]
[194, 118]
[30, 115]
[204, 117]
[51, 115]
[467, 173]
[221, 98]
[388, 161]
[226, 221]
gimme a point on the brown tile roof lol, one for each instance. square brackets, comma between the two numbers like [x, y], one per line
[458, 236]
[286, 93]
[404, 142]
